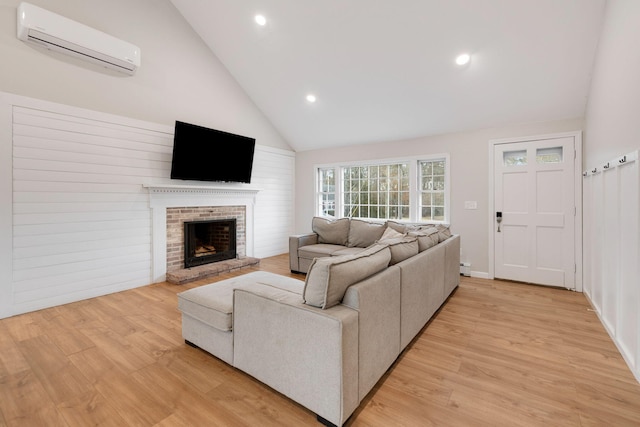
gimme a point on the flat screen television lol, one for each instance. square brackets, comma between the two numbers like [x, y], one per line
[203, 154]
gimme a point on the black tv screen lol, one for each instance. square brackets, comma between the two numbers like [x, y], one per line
[203, 154]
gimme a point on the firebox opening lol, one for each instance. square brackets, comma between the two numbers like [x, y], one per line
[209, 241]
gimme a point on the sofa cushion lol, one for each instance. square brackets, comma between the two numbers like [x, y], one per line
[319, 250]
[332, 231]
[401, 248]
[212, 304]
[405, 227]
[363, 234]
[427, 237]
[329, 278]
[443, 232]
[347, 251]
[397, 226]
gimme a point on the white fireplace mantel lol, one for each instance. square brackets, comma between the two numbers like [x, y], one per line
[163, 196]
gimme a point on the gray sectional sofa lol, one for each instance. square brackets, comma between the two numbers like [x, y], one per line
[326, 341]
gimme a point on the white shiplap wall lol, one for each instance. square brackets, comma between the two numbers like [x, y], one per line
[612, 248]
[273, 173]
[80, 221]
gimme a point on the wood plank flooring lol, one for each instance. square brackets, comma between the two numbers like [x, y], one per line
[497, 354]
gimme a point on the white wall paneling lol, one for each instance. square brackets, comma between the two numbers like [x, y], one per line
[274, 173]
[75, 219]
[6, 208]
[81, 222]
[611, 226]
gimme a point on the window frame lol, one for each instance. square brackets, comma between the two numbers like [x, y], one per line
[414, 184]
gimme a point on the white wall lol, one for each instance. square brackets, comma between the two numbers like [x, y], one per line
[469, 153]
[179, 79]
[612, 129]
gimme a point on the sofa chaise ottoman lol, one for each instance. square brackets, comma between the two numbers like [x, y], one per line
[207, 311]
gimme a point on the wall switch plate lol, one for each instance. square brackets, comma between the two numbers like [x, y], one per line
[471, 205]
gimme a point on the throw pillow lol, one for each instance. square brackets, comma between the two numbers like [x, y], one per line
[332, 231]
[390, 233]
[364, 233]
[329, 277]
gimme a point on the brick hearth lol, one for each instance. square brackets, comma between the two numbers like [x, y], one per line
[185, 275]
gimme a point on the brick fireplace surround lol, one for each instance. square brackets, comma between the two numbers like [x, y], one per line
[176, 218]
[173, 204]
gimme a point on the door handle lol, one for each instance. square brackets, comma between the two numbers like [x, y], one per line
[498, 219]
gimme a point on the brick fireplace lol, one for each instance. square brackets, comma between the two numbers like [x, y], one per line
[176, 218]
[172, 205]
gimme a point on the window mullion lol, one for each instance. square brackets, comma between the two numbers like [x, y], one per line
[339, 192]
[414, 191]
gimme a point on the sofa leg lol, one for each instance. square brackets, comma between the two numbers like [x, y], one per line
[325, 422]
[189, 343]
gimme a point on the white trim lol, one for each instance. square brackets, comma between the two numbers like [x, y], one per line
[479, 274]
[627, 358]
[166, 196]
[6, 205]
[275, 150]
[577, 135]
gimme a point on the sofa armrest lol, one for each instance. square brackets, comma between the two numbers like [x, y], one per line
[297, 241]
[308, 354]
[452, 264]
[377, 300]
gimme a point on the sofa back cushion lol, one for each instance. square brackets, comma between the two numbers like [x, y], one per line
[332, 231]
[443, 232]
[401, 248]
[363, 234]
[329, 277]
[427, 237]
[400, 227]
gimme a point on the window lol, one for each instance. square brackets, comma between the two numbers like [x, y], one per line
[432, 190]
[376, 191]
[411, 190]
[327, 191]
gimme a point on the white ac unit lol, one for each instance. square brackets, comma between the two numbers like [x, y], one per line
[55, 32]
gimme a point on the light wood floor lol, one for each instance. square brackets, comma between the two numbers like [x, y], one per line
[497, 354]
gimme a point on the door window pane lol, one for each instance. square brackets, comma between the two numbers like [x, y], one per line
[515, 158]
[549, 155]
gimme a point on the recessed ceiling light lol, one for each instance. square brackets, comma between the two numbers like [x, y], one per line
[463, 59]
[311, 98]
[260, 20]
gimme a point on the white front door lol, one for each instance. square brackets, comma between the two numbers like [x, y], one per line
[534, 201]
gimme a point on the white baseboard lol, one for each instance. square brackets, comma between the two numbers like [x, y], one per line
[480, 274]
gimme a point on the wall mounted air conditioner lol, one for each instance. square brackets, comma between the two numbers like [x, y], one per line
[55, 32]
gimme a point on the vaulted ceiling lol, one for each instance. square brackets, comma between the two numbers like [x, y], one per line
[385, 70]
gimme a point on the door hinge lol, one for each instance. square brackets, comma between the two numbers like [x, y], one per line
[575, 211]
[575, 268]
